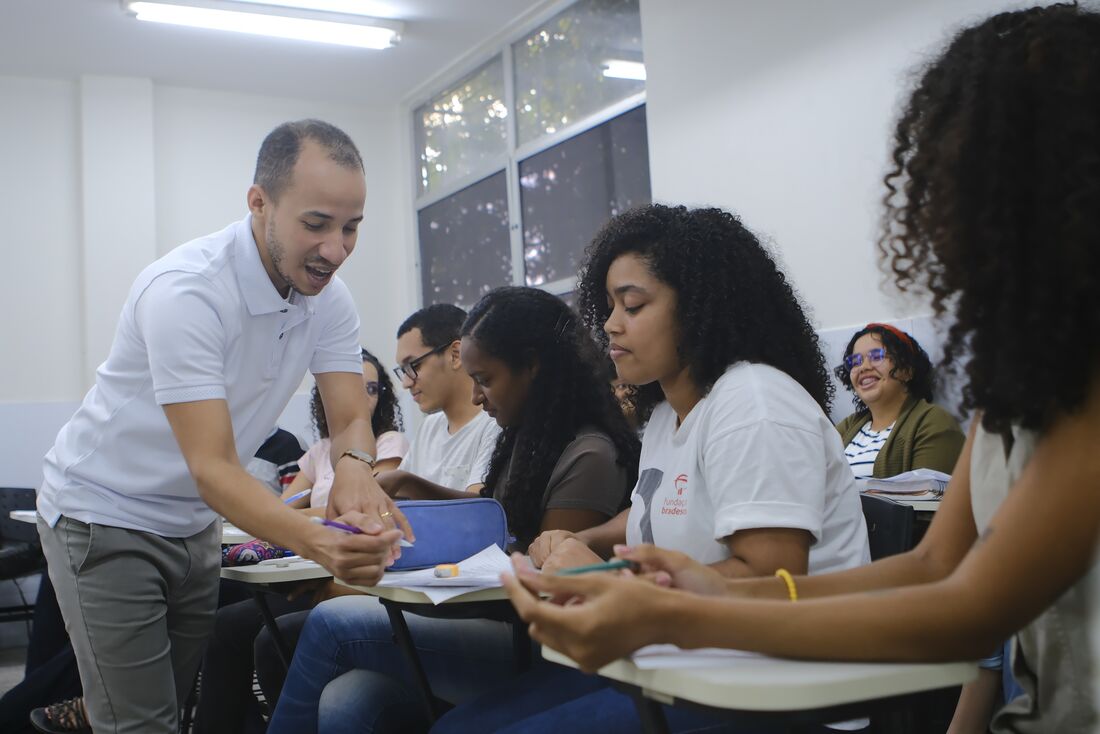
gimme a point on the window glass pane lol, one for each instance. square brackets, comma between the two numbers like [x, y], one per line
[562, 68]
[464, 245]
[568, 191]
[462, 130]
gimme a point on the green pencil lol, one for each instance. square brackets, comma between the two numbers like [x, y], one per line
[614, 565]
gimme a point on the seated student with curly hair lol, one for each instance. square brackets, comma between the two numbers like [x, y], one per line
[565, 460]
[992, 208]
[741, 467]
[895, 427]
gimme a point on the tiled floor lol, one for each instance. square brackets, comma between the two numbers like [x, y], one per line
[11, 667]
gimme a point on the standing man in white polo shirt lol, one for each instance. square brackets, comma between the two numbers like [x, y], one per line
[212, 342]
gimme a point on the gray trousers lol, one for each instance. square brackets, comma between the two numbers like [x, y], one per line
[139, 609]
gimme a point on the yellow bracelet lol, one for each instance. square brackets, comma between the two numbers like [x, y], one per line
[789, 581]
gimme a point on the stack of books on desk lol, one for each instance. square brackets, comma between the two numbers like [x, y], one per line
[918, 484]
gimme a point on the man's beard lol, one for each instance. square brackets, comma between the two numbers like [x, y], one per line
[277, 253]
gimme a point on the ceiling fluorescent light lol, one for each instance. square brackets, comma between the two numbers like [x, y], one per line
[266, 20]
[620, 69]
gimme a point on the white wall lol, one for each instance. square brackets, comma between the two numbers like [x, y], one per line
[102, 175]
[206, 145]
[42, 333]
[781, 111]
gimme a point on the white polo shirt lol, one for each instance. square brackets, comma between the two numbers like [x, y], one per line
[204, 322]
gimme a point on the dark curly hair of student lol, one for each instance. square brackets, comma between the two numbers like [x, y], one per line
[387, 414]
[907, 355]
[993, 208]
[733, 302]
[524, 327]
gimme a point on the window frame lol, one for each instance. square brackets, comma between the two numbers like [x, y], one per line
[510, 161]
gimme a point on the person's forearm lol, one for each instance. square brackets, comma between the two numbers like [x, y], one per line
[357, 435]
[899, 625]
[901, 570]
[234, 493]
[602, 538]
[734, 568]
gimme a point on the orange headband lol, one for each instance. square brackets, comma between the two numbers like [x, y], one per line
[893, 330]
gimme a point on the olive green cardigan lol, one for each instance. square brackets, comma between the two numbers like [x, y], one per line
[925, 436]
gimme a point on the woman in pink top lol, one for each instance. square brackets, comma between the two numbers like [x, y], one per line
[390, 443]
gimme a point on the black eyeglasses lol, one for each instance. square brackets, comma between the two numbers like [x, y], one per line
[408, 369]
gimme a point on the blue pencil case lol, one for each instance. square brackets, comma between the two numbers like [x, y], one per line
[448, 531]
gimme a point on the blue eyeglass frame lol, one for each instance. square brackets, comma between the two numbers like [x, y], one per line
[875, 356]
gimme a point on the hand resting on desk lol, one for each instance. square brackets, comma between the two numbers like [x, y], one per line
[568, 553]
[545, 544]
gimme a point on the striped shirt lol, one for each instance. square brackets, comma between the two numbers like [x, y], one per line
[863, 449]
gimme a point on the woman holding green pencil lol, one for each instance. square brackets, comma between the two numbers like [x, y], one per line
[740, 468]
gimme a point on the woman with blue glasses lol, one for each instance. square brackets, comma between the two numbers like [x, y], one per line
[895, 427]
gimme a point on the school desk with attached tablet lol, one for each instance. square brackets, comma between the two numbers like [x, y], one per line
[266, 577]
[760, 690]
[423, 594]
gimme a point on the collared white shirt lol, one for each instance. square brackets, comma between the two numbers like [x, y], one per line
[204, 322]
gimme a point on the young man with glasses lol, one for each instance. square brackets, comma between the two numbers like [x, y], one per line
[450, 452]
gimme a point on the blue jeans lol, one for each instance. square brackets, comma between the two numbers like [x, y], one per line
[553, 699]
[461, 657]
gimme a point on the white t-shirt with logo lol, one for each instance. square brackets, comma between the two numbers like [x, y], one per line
[757, 452]
[457, 461]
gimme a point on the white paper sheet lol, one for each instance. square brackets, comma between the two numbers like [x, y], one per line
[480, 571]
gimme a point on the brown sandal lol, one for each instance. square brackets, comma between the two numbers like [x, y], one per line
[67, 717]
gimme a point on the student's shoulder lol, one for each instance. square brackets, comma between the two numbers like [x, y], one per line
[931, 417]
[752, 386]
[852, 423]
[750, 393]
[590, 439]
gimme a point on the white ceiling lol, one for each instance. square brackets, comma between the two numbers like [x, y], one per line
[70, 38]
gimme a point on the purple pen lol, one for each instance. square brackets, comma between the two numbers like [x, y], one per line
[350, 529]
[337, 525]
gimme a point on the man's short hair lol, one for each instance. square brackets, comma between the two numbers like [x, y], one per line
[439, 324]
[280, 149]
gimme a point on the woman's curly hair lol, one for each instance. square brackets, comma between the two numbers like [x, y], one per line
[524, 327]
[733, 302]
[907, 356]
[993, 207]
[387, 414]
